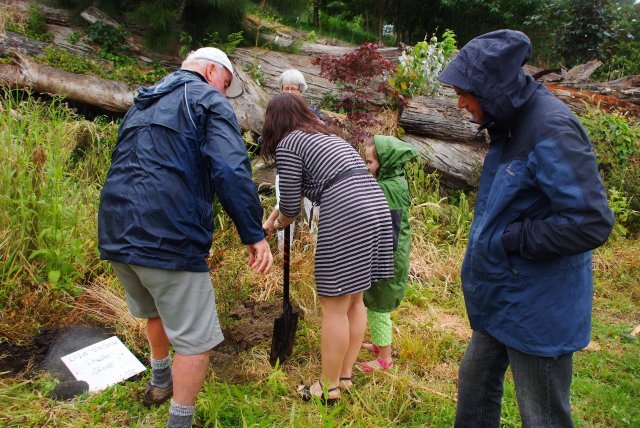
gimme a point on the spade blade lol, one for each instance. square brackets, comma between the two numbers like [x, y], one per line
[284, 327]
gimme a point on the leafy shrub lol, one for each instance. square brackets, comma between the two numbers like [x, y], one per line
[111, 40]
[36, 25]
[616, 141]
[187, 44]
[328, 101]
[227, 46]
[355, 73]
[417, 73]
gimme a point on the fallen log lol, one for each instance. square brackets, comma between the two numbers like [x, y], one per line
[113, 96]
[625, 89]
[439, 118]
[459, 164]
[26, 74]
[579, 100]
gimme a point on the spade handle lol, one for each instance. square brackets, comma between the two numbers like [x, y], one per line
[286, 306]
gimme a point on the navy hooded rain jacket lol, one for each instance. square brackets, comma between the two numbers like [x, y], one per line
[541, 206]
[178, 147]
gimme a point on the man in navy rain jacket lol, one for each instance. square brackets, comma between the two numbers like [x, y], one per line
[178, 147]
[541, 208]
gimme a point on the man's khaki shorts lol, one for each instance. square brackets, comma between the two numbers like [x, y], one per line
[184, 301]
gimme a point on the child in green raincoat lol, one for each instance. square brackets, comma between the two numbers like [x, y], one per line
[385, 158]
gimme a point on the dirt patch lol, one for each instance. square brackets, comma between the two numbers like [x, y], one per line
[252, 324]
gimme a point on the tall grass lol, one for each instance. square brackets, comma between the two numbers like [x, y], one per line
[50, 177]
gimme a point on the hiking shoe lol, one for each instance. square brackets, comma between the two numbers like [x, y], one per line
[154, 396]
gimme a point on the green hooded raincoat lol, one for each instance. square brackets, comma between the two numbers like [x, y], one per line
[385, 295]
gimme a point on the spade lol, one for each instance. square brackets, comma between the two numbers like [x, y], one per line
[284, 327]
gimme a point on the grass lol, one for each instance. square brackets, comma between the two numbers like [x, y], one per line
[53, 165]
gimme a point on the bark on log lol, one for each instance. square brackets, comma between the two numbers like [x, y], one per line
[579, 100]
[250, 107]
[625, 89]
[459, 164]
[439, 118]
[447, 141]
[107, 94]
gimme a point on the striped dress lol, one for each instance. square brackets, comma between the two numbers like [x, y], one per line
[355, 242]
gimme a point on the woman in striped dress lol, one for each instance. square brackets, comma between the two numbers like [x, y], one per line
[355, 243]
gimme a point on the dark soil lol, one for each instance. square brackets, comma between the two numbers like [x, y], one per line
[252, 324]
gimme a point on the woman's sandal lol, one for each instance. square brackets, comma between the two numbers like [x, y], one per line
[371, 347]
[304, 392]
[368, 368]
[343, 383]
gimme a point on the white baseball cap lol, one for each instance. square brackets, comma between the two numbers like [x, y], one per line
[216, 55]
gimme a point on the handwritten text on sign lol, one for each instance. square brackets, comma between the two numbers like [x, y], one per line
[103, 364]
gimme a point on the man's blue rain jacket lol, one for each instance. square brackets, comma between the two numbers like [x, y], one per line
[541, 206]
[178, 147]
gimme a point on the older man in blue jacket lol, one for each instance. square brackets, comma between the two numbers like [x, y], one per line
[541, 208]
[178, 147]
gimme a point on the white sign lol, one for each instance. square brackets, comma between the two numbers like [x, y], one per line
[103, 364]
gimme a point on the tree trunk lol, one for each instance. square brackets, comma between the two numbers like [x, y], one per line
[380, 22]
[316, 15]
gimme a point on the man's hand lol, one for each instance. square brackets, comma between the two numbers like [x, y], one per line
[260, 257]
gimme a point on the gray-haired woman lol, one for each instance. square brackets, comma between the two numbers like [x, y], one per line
[292, 81]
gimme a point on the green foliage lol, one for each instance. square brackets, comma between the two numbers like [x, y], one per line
[311, 37]
[227, 46]
[336, 23]
[624, 59]
[569, 32]
[158, 18]
[214, 39]
[36, 25]
[419, 67]
[47, 197]
[289, 9]
[329, 101]
[255, 71]
[204, 17]
[31, 25]
[583, 35]
[616, 141]
[186, 43]
[444, 218]
[127, 70]
[112, 40]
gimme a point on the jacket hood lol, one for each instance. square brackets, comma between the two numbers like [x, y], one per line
[489, 67]
[147, 95]
[392, 154]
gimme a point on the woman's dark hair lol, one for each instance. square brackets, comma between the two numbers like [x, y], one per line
[287, 113]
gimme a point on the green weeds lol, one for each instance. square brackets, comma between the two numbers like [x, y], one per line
[616, 141]
[48, 201]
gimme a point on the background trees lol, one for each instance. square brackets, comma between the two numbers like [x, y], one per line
[564, 32]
